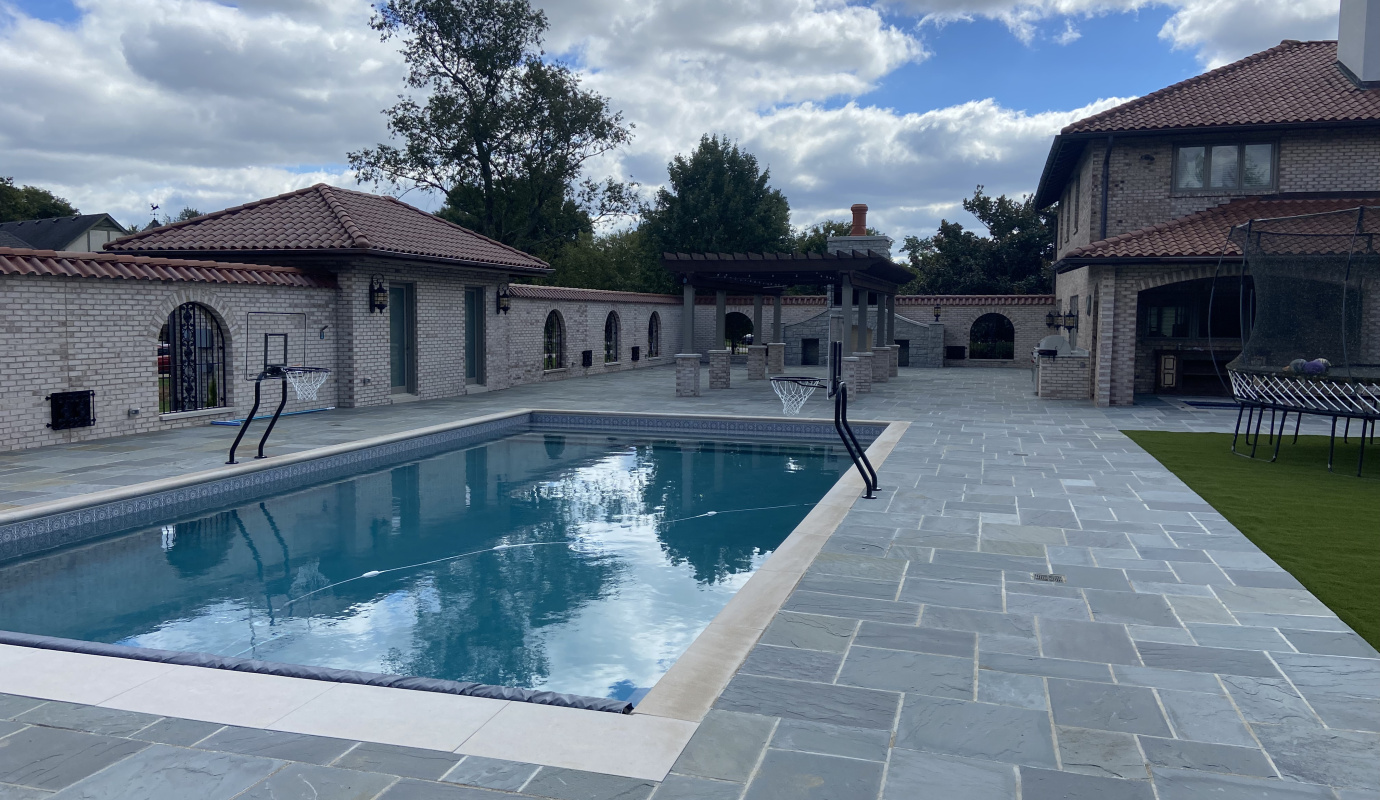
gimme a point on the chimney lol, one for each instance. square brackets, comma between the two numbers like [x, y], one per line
[860, 215]
[1358, 41]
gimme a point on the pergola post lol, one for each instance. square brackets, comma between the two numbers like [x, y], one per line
[890, 320]
[846, 301]
[720, 315]
[776, 303]
[687, 320]
[757, 319]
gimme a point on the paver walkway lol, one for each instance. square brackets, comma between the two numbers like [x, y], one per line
[1034, 608]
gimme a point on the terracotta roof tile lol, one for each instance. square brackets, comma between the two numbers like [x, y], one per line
[325, 217]
[975, 299]
[22, 261]
[534, 292]
[1204, 233]
[1291, 83]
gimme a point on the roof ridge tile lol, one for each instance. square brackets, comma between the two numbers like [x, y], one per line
[357, 236]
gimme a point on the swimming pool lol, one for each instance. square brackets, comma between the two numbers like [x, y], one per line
[576, 562]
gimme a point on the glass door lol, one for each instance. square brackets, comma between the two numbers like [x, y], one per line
[474, 335]
[402, 338]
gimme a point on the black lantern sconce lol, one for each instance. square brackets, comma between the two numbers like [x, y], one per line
[1070, 320]
[937, 308]
[378, 295]
[1051, 320]
[504, 300]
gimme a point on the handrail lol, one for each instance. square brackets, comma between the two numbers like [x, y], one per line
[838, 390]
[268, 374]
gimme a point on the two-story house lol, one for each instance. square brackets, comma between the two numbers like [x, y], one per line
[1148, 191]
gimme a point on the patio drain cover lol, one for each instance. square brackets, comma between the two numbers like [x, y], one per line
[1045, 576]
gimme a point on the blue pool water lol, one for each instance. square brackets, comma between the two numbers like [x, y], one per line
[576, 563]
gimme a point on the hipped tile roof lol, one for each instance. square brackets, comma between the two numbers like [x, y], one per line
[23, 261]
[1291, 83]
[1204, 233]
[325, 217]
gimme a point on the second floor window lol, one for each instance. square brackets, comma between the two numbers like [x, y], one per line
[1225, 168]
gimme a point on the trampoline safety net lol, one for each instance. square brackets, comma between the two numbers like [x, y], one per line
[1314, 343]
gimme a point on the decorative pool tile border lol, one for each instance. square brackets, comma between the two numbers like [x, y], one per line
[30, 536]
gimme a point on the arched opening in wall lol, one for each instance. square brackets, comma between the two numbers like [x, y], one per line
[1182, 328]
[553, 342]
[737, 332]
[191, 361]
[654, 335]
[992, 338]
[611, 338]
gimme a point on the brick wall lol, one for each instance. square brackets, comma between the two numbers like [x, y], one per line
[1063, 377]
[70, 334]
[957, 315]
[1141, 169]
[584, 323]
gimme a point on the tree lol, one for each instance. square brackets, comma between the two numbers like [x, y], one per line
[30, 202]
[1013, 258]
[502, 132]
[618, 261]
[718, 201]
[815, 238]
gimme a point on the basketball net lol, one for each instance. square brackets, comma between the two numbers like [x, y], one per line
[305, 382]
[793, 394]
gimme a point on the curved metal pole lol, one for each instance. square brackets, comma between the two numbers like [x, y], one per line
[862, 454]
[850, 442]
[282, 402]
[245, 426]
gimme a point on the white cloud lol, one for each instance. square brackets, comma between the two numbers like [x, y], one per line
[191, 102]
[1069, 35]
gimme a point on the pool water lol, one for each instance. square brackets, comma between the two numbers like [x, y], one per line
[575, 563]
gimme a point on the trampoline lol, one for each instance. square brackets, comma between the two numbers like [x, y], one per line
[1313, 345]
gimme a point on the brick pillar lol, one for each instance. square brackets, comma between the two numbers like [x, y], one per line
[757, 362]
[893, 360]
[865, 359]
[718, 369]
[850, 373]
[687, 374]
[881, 364]
[776, 358]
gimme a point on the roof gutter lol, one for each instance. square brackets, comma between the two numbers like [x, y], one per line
[1069, 264]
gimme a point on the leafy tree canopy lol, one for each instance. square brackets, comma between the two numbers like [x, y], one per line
[718, 201]
[30, 202]
[815, 238]
[617, 261]
[1014, 257]
[503, 132]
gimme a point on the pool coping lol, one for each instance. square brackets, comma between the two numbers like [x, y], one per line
[644, 744]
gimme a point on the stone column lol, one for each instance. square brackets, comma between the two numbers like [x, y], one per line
[720, 314]
[864, 372]
[757, 362]
[850, 373]
[894, 360]
[776, 333]
[776, 358]
[881, 364]
[687, 321]
[846, 301]
[687, 374]
[718, 369]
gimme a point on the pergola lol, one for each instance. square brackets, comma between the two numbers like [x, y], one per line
[865, 272]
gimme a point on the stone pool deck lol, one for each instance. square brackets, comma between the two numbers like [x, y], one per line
[918, 657]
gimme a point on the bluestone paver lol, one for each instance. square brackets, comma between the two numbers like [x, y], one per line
[789, 775]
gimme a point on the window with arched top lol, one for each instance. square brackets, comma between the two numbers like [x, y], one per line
[611, 338]
[654, 336]
[992, 337]
[553, 342]
[191, 361]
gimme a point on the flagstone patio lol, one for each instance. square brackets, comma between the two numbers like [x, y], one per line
[1033, 608]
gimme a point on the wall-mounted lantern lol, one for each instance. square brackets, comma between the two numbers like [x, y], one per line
[378, 295]
[1070, 320]
[504, 300]
[937, 308]
[1052, 320]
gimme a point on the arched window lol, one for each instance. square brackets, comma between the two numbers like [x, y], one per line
[553, 342]
[611, 338]
[191, 361]
[992, 337]
[654, 336]
[737, 331]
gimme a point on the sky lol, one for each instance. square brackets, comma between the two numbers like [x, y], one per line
[905, 105]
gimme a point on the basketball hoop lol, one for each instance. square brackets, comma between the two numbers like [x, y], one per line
[305, 380]
[794, 390]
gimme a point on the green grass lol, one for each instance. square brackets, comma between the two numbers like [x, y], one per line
[1323, 527]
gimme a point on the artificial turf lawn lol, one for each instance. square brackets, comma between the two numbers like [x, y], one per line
[1323, 527]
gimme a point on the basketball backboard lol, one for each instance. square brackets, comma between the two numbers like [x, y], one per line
[274, 338]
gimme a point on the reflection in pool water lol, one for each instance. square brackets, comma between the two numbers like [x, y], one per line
[575, 563]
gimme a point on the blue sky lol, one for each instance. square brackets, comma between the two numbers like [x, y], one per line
[116, 104]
